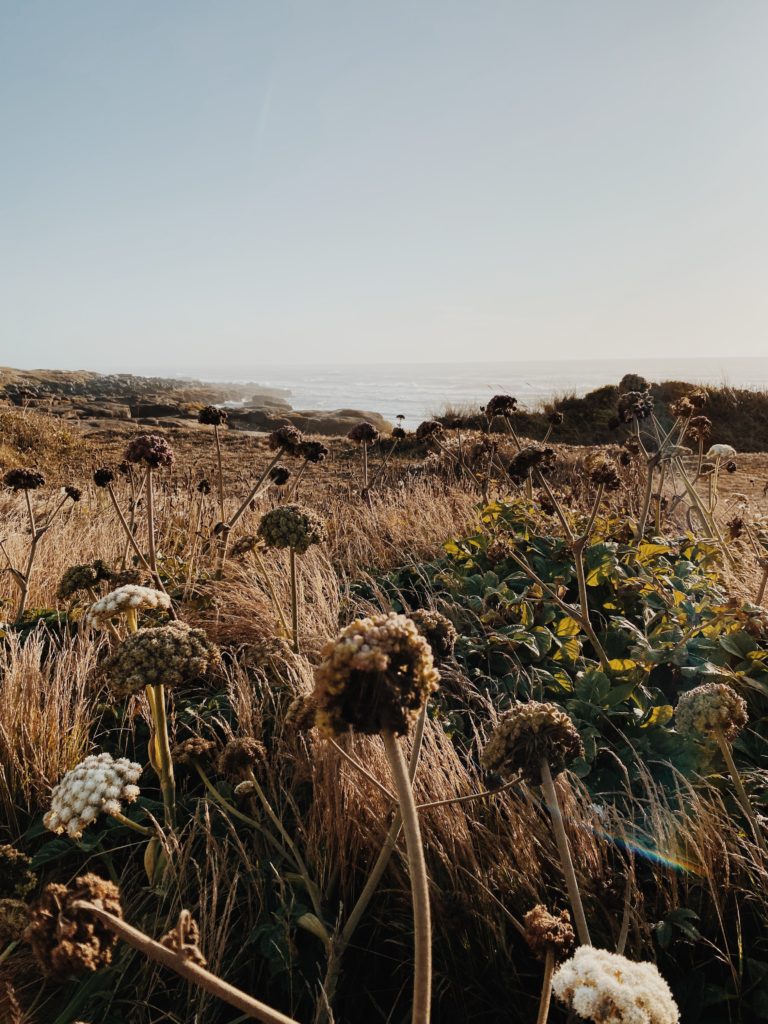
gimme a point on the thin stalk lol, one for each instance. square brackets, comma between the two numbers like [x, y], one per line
[151, 522]
[233, 520]
[363, 771]
[268, 583]
[219, 469]
[586, 625]
[297, 481]
[647, 494]
[741, 793]
[365, 465]
[163, 749]
[294, 602]
[550, 795]
[662, 475]
[379, 472]
[143, 830]
[185, 967]
[422, 981]
[761, 589]
[546, 987]
[24, 578]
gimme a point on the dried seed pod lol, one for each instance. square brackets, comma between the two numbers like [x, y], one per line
[529, 734]
[151, 449]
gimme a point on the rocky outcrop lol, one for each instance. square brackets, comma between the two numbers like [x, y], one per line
[334, 423]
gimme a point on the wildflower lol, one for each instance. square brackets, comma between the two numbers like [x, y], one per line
[103, 476]
[500, 405]
[721, 451]
[125, 598]
[682, 408]
[192, 749]
[67, 940]
[212, 416]
[291, 526]
[363, 433]
[151, 449]
[398, 433]
[74, 493]
[529, 734]
[204, 486]
[286, 439]
[23, 479]
[169, 655]
[16, 876]
[602, 473]
[313, 451]
[83, 577]
[376, 675]
[710, 708]
[533, 456]
[699, 428]
[545, 932]
[241, 754]
[437, 630]
[427, 429]
[635, 405]
[606, 988]
[97, 785]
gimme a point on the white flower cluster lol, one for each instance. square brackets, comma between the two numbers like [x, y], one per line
[95, 786]
[609, 989]
[125, 598]
[721, 451]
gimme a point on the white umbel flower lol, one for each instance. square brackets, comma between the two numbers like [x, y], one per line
[125, 598]
[97, 785]
[721, 451]
[609, 989]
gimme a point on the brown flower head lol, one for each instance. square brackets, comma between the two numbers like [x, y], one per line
[437, 630]
[204, 486]
[635, 405]
[172, 655]
[313, 451]
[291, 526]
[240, 755]
[83, 577]
[500, 405]
[545, 932]
[192, 749]
[712, 707]
[699, 429]
[286, 439]
[555, 417]
[376, 675]
[529, 734]
[279, 475]
[151, 449]
[68, 940]
[735, 527]
[244, 545]
[363, 433]
[682, 408]
[731, 466]
[398, 433]
[427, 429]
[73, 493]
[603, 473]
[23, 479]
[103, 476]
[707, 468]
[533, 456]
[14, 918]
[16, 875]
[300, 716]
[212, 416]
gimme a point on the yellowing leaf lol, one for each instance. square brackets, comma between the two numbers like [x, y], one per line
[567, 627]
[569, 650]
[647, 551]
[622, 664]
[659, 716]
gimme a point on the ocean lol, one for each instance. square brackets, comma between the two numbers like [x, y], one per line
[418, 390]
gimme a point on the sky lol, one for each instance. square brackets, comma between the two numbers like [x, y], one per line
[221, 184]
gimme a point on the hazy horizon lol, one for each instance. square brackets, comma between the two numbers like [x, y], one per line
[283, 183]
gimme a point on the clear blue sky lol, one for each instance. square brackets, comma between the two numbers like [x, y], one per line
[253, 181]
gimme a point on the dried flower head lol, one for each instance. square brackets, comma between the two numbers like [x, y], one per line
[606, 988]
[244, 545]
[731, 466]
[363, 433]
[500, 405]
[73, 493]
[66, 939]
[427, 429]
[376, 675]
[533, 456]
[300, 716]
[240, 755]
[437, 630]
[291, 526]
[16, 875]
[529, 734]
[192, 749]
[279, 475]
[96, 786]
[82, 577]
[555, 417]
[204, 486]
[711, 707]
[103, 476]
[707, 468]
[151, 449]
[23, 479]
[14, 918]
[212, 416]
[173, 655]
[398, 433]
[735, 527]
[603, 473]
[699, 429]
[124, 599]
[314, 451]
[682, 408]
[286, 439]
[545, 932]
[635, 405]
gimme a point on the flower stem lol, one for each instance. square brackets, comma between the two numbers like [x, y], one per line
[741, 793]
[422, 982]
[163, 750]
[294, 603]
[546, 987]
[220, 469]
[550, 795]
[143, 830]
[185, 967]
[268, 583]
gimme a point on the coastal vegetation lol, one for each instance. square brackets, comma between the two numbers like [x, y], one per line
[460, 724]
